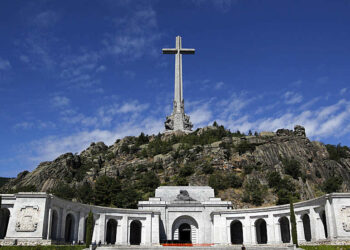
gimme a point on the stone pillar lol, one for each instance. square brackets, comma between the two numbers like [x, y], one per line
[76, 226]
[63, 224]
[330, 220]
[147, 230]
[313, 224]
[270, 230]
[124, 230]
[101, 226]
[246, 228]
[81, 227]
[253, 232]
[155, 229]
[277, 226]
[49, 224]
[300, 228]
[216, 228]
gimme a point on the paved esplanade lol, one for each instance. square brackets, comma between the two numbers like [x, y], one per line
[178, 120]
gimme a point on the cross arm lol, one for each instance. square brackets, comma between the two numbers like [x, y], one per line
[187, 51]
[169, 51]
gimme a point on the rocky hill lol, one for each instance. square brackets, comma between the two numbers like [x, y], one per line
[250, 170]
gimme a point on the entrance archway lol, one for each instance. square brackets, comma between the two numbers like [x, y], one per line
[135, 232]
[69, 230]
[285, 229]
[307, 228]
[261, 231]
[185, 225]
[54, 225]
[236, 232]
[185, 233]
[111, 234]
[4, 221]
[324, 222]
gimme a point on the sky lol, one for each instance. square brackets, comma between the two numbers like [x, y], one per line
[76, 72]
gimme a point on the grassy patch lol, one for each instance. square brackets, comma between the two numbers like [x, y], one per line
[326, 247]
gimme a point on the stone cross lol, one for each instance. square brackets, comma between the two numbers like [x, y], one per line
[178, 120]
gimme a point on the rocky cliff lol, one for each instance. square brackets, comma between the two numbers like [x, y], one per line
[249, 170]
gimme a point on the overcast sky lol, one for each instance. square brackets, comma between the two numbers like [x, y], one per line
[74, 72]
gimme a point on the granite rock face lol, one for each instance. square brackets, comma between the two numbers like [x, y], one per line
[264, 154]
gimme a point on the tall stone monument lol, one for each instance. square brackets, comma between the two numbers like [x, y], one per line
[178, 120]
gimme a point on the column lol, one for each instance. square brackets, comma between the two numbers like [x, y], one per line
[49, 224]
[253, 232]
[277, 227]
[63, 224]
[155, 229]
[313, 224]
[246, 227]
[330, 220]
[124, 230]
[82, 226]
[216, 228]
[76, 226]
[300, 228]
[101, 226]
[270, 229]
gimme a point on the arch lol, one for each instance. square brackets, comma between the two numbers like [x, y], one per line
[69, 230]
[4, 221]
[307, 228]
[236, 232]
[111, 234]
[180, 222]
[324, 222]
[261, 231]
[54, 225]
[135, 232]
[285, 229]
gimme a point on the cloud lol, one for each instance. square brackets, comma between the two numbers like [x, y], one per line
[101, 68]
[292, 98]
[60, 101]
[201, 115]
[24, 58]
[343, 91]
[218, 85]
[4, 64]
[46, 19]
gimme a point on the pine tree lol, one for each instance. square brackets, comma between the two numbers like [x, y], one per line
[293, 222]
[89, 229]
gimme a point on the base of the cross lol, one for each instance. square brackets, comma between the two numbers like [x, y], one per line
[178, 122]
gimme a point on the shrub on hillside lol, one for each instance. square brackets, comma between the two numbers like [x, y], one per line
[292, 167]
[337, 152]
[332, 184]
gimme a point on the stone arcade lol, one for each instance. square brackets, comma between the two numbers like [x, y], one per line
[181, 213]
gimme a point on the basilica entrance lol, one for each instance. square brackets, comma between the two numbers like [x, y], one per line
[185, 233]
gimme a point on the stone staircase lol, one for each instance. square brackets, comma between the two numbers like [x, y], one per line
[231, 247]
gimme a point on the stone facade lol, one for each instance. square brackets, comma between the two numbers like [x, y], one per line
[180, 214]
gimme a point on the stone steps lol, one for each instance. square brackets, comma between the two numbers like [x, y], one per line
[251, 247]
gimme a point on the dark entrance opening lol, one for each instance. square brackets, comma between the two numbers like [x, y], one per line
[324, 222]
[285, 230]
[307, 228]
[54, 225]
[111, 232]
[135, 232]
[185, 233]
[4, 221]
[261, 231]
[69, 230]
[236, 232]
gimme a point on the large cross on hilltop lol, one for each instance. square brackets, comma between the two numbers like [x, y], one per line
[178, 120]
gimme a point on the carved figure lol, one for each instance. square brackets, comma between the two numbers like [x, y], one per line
[169, 123]
[184, 196]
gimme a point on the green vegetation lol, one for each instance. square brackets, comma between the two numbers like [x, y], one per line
[332, 184]
[244, 146]
[283, 187]
[89, 229]
[53, 247]
[292, 168]
[254, 192]
[293, 223]
[337, 152]
[222, 181]
[4, 180]
[326, 247]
